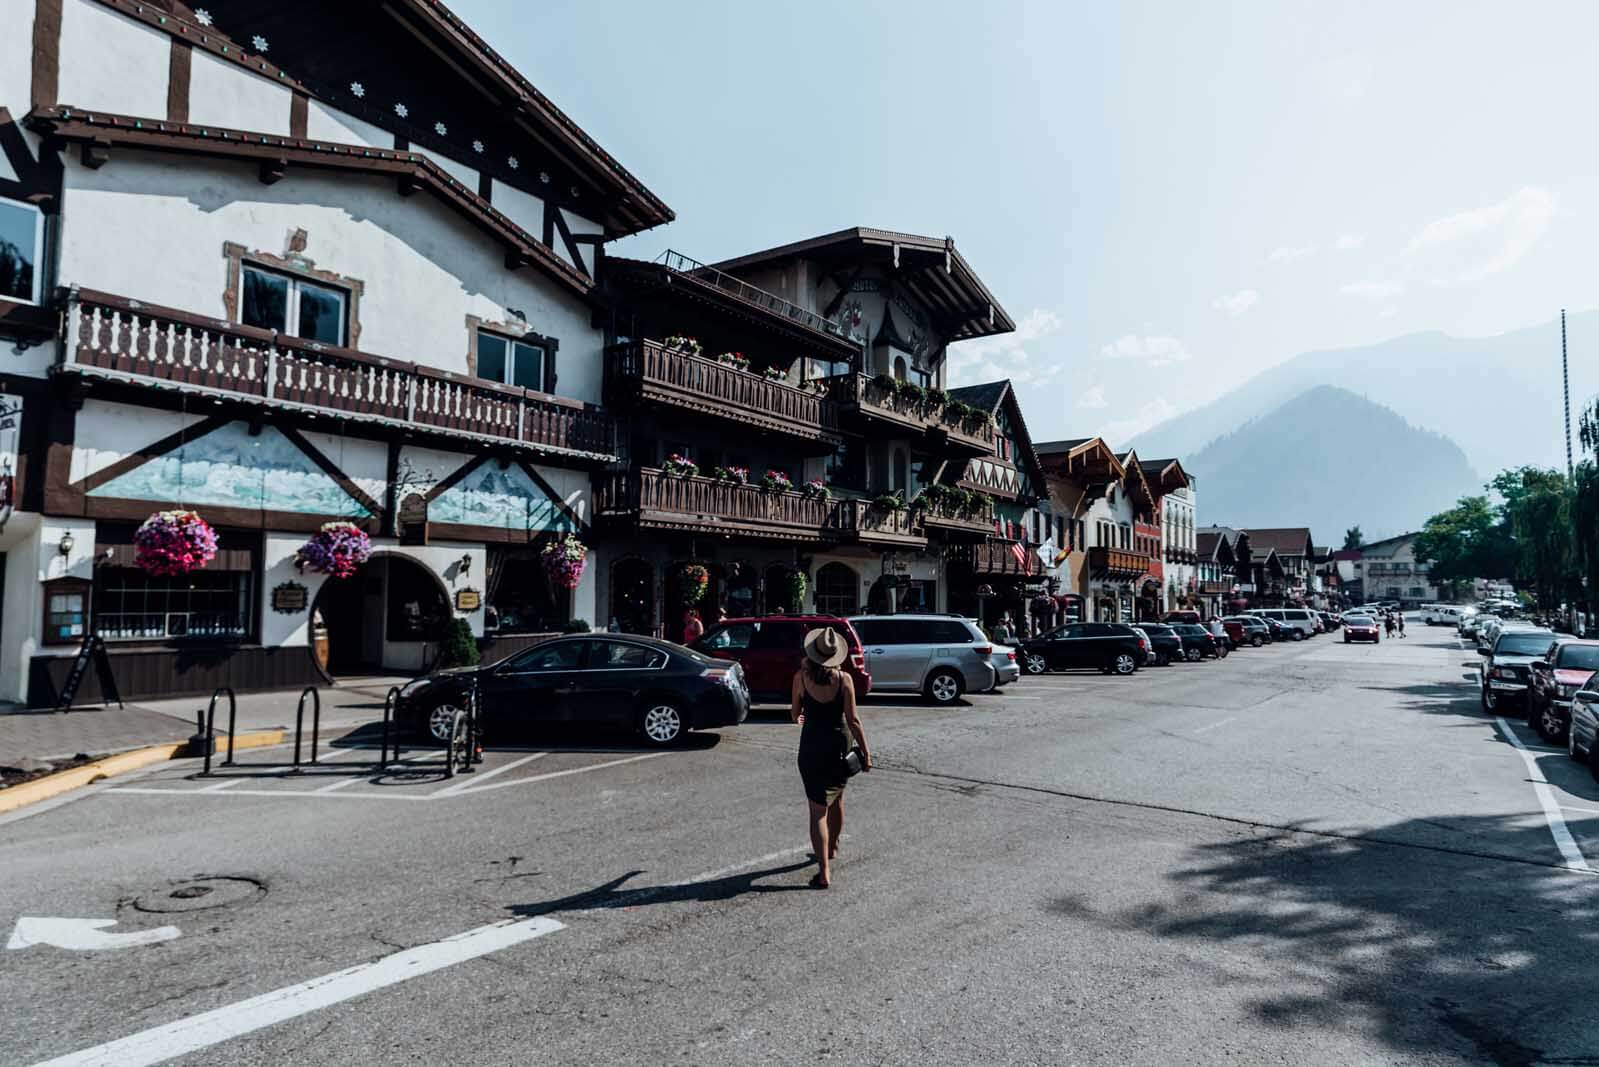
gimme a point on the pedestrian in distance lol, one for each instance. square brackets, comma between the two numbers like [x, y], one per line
[1002, 630]
[1401, 616]
[823, 703]
[1388, 624]
[693, 628]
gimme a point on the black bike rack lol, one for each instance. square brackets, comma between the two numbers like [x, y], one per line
[299, 725]
[391, 703]
[210, 731]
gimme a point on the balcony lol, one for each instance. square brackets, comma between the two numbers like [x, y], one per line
[867, 523]
[1116, 563]
[994, 559]
[1213, 588]
[957, 523]
[650, 372]
[116, 339]
[873, 400]
[656, 500]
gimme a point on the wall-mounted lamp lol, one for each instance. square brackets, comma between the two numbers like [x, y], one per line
[466, 564]
[66, 543]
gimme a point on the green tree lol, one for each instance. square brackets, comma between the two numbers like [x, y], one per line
[1353, 538]
[1467, 541]
[1537, 510]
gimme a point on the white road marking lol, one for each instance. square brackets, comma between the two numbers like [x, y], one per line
[1551, 807]
[1213, 725]
[235, 1020]
[153, 791]
[1585, 811]
[343, 783]
[83, 935]
[475, 788]
[220, 786]
[483, 776]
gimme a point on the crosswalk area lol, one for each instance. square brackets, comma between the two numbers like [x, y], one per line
[352, 768]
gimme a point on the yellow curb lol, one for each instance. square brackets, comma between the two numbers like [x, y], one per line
[53, 785]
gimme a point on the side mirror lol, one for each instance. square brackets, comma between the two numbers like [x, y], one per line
[1539, 665]
[1485, 652]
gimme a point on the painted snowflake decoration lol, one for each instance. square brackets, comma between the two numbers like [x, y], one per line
[202, 16]
[513, 162]
[575, 193]
[477, 146]
[357, 90]
[544, 176]
[401, 110]
[260, 43]
[440, 129]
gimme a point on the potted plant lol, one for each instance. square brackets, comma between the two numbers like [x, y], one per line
[775, 374]
[817, 489]
[732, 475]
[776, 481]
[174, 542]
[884, 382]
[680, 466]
[565, 557]
[934, 401]
[337, 550]
[677, 343]
[889, 502]
[736, 360]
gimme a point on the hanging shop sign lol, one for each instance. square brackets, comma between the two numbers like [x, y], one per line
[468, 600]
[411, 522]
[289, 598]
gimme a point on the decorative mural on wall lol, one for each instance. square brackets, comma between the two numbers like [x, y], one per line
[230, 468]
[503, 499]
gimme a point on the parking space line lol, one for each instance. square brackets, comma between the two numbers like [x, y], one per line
[483, 776]
[334, 787]
[1585, 811]
[1551, 808]
[153, 791]
[220, 786]
[1213, 725]
[475, 788]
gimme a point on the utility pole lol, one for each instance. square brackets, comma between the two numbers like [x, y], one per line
[1565, 380]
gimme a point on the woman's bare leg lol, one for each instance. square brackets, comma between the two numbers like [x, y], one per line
[835, 826]
[819, 841]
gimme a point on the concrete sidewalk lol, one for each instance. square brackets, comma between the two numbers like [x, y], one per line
[48, 735]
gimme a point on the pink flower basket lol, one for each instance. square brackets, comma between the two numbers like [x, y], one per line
[564, 560]
[337, 550]
[174, 542]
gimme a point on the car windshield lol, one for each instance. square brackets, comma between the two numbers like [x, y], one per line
[1579, 658]
[1523, 643]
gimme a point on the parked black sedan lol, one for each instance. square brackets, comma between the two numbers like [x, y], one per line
[1198, 643]
[1330, 621]
[657, 689]
[1163, 639]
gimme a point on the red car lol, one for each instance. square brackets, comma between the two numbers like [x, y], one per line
[1361, 628]
[771, 647]
[1563, 670]
[1236, 632]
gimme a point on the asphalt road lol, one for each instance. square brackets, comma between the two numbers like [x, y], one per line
[1310, 853]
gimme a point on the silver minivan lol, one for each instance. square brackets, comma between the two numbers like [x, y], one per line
[1298, 618]
[939, 656]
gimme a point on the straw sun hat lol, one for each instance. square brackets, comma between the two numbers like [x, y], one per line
[825, 647]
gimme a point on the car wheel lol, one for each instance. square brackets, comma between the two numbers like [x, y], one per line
[1193, 655]
[1034, 663]
[1123, 664]
[1299, 635]
[943, 688]
[1256, 641]
[1490, 700]
[1346, 639]
[661, 723]
[1222, 651]
[441, 720]
[1547, 722]
[1162, 659]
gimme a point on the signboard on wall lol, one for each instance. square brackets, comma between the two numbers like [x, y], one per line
[289, 598]
[468, 600]
[10, 427]
[411, 523]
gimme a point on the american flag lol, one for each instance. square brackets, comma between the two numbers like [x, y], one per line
[1024, 558]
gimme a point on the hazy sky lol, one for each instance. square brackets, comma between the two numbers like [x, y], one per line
[1167, 197]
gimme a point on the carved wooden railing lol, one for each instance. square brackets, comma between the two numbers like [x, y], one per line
[861, 520]
[995, 557]
[951, 519]
[871, 397]
[143, 342]
[660, 499]
[713, 388]
[1117, 562]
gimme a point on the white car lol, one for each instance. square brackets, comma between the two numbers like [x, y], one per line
[1007, 668]
[1299, 620]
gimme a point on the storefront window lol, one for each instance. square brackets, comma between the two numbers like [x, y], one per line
[837, 590]
[522, 600]
[131, 605]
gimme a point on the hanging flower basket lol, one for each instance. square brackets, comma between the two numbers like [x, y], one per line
[337, 550]
[174, 542]
[693, 582]
[564, 560]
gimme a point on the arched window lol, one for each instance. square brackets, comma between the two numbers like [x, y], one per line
[838, 590]
[899, 368]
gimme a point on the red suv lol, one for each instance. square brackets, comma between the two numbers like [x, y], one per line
[771, 648]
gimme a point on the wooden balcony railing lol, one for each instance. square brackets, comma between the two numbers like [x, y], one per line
[861, 520]
[663, 501]
[872, 399]
[1117, 563]
[954, 522]
[649, 370]
[1214, 588]
[126, 340]
[994, 558]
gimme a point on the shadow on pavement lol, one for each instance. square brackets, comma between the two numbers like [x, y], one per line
[611, 895]
[1423, 949]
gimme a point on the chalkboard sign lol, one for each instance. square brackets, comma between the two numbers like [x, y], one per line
[289, 598]
[92, 651]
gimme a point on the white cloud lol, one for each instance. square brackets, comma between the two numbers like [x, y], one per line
[1373, 290]
[1343, 81]
[1156, 351]
[1349, 242]
[1154, 411]
[1093, 397]
[1236, 304]
[1005, 355]
[1289, 253]
[1470, 245]
[1387, 313]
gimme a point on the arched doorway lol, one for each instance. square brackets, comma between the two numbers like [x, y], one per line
[680, 598]
[838, 590]
[383, 617]
[633, 596]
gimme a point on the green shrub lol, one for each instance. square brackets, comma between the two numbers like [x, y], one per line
[457, 646]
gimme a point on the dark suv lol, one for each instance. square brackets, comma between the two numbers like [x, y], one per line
[1113, 647]
[771, 649]
[1507, 668]
[1167, 645]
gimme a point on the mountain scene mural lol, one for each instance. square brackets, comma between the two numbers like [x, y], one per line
[1330, 459]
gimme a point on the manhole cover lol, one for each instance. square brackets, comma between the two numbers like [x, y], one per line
[202, 894]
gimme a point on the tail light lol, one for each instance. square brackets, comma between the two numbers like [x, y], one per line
[858, 660]
[984, 650]
[724, 676]
[1011, 656]
[1141, 643]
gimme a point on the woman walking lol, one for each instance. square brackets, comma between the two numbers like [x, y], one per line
[824, 706]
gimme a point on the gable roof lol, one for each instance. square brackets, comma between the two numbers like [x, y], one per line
[985, 396]
[929, 268]
[1214, 545]
[991, 397]
[1287, 540]
[1077, 456]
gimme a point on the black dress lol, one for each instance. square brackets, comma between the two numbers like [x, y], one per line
[823, 742]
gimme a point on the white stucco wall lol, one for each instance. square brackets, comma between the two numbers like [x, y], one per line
[107, 432]
[23, 605]
[524, 209]
[459, 171]
[325, 123]
[16, 57]
[222, 93]
[366, 462]
[110, 62]
[425, 268]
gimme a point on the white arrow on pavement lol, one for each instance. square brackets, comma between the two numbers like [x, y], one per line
[82, 935]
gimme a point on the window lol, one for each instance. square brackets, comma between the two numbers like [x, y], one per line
[293, 306]
[21, 248]
[837, 590]
[783, 636]
[729, 638]
[616, 656]
[511, 362]
[550, 656]
[131, 605]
